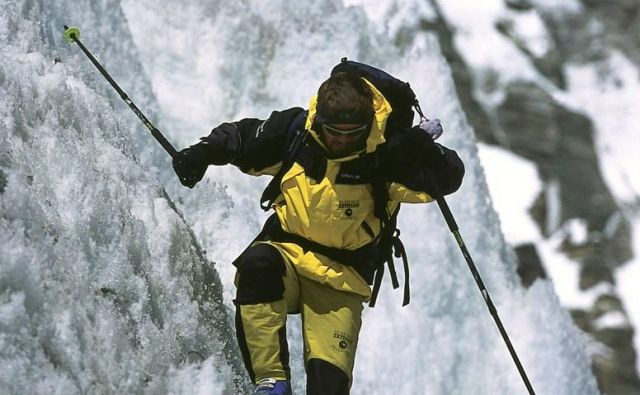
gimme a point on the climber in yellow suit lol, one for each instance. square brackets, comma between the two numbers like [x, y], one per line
[313, 255]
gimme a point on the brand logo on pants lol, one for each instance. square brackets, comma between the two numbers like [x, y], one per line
[344, 339]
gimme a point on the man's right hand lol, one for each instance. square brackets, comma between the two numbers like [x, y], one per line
[189, 167]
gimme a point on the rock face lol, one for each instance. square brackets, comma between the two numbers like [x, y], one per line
[528, 121]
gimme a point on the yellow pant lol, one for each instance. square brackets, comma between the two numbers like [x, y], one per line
[269, 288]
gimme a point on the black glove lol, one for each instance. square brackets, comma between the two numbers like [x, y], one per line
[190, 166]
[434, 155]
[424, 150]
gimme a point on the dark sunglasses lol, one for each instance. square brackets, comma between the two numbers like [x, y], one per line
[353, 133]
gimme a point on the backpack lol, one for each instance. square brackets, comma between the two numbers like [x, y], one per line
[403, 101]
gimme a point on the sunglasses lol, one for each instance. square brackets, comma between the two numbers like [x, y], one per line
[353, 133]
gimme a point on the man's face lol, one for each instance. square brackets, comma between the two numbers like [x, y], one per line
[343, 138]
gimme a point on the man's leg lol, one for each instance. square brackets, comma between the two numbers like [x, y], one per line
[331, 322]
[266, 291]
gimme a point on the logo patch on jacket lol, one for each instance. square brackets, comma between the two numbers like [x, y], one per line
[346, 208]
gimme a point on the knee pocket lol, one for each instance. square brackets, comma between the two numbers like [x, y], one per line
[324, 378]
[260, 272]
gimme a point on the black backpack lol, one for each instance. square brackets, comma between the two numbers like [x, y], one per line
[403, 101]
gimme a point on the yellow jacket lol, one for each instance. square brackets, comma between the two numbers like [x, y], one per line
[330, 201]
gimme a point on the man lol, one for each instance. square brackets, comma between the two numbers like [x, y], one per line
[313, 255]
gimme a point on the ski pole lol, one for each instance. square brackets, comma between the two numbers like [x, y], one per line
[453, 226]
[72, 34]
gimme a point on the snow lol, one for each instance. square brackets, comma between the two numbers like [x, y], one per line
[614, 319]
[627, 279]
[531, 30]
[103, 287]
[514, 184]
[569, 6]
[482, 45]
[566, 275]
[608, 92]
[578, 231]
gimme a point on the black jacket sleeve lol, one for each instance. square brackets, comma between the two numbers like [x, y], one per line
[250, 144]
[410, 156]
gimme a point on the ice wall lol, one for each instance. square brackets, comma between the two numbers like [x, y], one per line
[103, 287]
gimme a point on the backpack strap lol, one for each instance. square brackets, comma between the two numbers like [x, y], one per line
[295, 137]
[400, 252]
[389, 244]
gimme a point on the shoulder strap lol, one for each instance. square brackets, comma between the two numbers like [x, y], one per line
[295, 137]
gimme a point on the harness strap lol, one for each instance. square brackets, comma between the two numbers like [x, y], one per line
[392, 266]
[376, 286]
[360, 259]
[399, 252]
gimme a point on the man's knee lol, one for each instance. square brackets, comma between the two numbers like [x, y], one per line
[324, 378]
[260, 272]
